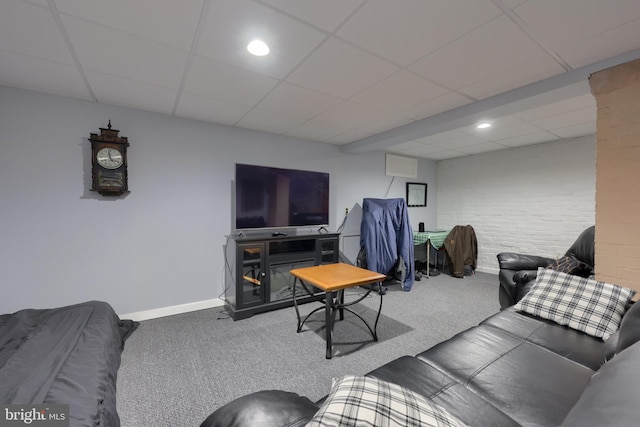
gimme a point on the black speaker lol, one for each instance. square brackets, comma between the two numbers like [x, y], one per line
[421, 227]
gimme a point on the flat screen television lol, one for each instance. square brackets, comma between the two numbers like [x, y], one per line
[268, 197]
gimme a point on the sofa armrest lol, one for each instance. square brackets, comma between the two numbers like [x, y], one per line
[524, 280]
[511, 264]
[268, 408]
[522, 277]
[507, 289]
[515, 261]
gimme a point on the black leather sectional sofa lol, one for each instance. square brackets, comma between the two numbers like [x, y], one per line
[513, 369]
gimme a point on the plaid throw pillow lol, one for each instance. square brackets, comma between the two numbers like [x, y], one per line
[595, 308]
[363, 401]
[571, 265]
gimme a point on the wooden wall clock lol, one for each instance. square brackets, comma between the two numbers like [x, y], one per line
[109, 162]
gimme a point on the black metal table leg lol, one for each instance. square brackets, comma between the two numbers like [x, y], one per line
[328, 315]
[375, 326]
[295, 304]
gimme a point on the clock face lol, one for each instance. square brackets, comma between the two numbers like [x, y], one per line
[109, 158]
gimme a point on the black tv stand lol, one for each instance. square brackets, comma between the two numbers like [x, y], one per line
[257, 278]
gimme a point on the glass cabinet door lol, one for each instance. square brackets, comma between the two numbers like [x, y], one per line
[328, 251]
[252, 275]
[282, 281]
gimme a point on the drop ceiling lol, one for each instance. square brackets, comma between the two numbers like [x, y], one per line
[404, 76]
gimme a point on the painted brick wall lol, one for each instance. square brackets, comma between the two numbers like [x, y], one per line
[617, 92]
[533, 200]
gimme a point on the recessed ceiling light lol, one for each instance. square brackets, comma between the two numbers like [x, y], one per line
[484, 125]
[258, 48]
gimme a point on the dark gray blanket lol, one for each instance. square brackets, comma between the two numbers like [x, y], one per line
[68, 355]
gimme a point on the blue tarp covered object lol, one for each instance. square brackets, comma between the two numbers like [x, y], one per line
[387, 238]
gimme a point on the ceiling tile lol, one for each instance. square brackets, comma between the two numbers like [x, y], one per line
[463, 140]
[211, 110]
[352, 115]
[561, 23]
[113, 52]
[297, 101]
[350, 136]
[512, 3]
[503, 132]
[585, 115]
[221, 81]
[575, 131]
[491, 48]
[513, 77]
[532, 138]
[435, 106]
[404, 31]
[41, 75]
[576, 103]
[385, 123]
[167, 21]
[118, 91]
[421, 149]
[442, 136]
[398, 92]
[326, 14]
[341, 70]
[317, 129]
[496, 123]
[485, 147]
[40, 38]
[446, 154]
[269, 121]
[232, 24]
[38, 2]
[614, 42]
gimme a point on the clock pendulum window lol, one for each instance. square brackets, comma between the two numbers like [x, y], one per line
[109, 162]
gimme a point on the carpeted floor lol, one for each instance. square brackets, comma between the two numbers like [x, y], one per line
[176, 370]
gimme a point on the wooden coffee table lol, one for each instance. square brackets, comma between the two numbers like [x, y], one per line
[333, 279]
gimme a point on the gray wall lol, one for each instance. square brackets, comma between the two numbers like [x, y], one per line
[161, 245]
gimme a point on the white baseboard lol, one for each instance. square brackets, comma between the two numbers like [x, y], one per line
[171, 310]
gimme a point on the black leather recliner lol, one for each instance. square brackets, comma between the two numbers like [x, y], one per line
[518, 271]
